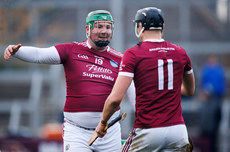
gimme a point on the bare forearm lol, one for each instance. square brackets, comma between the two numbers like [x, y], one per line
[110, 108]
[112, 102]
[114, 99]
[188, 85]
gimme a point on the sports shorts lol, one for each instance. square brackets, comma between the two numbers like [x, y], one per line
[164, 139]
[75, 139]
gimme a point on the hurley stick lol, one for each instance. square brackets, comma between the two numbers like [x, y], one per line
[94, 135]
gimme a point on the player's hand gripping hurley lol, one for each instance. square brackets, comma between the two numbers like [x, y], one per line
[94, 135]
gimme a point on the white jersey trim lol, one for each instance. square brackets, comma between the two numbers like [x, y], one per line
[89, 46]
[154, 40]
[128, 74]
[189, 72]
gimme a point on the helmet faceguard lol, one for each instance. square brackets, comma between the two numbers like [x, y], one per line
[93, 19]
[151, 19]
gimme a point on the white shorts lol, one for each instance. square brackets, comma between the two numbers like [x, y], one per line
[75, 139]
[164, 139]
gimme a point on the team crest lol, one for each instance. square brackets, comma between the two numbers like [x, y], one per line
[67, 147]
[114, 64]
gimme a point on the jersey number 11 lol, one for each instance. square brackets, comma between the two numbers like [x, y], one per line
[161, 74]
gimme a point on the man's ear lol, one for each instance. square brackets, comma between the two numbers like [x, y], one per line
[87, 30]
[140, 25]
[162, 31]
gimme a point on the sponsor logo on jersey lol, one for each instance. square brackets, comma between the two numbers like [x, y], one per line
[100, 76]
[83, 56]
[114, 64]
[67, 147]
[161, 49]
[98, 72]
[96, 69]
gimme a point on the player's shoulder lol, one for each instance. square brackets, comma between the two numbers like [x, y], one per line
[82, 44]
[134, 49]
[71, 45]
[64, 47]
[114, 52]
[176, 46]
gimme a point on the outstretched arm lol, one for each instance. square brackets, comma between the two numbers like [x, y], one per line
[33, 54]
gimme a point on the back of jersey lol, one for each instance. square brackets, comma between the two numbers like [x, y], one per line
[158, 69]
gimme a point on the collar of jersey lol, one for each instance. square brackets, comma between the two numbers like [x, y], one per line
[154, 40]
[90, 47]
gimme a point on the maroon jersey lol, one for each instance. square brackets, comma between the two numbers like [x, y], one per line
[90, 75]
[157, 68]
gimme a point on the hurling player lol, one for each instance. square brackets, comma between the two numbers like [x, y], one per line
[91, 68]
[161, 72]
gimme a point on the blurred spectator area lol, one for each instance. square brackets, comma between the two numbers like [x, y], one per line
[202, 27]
